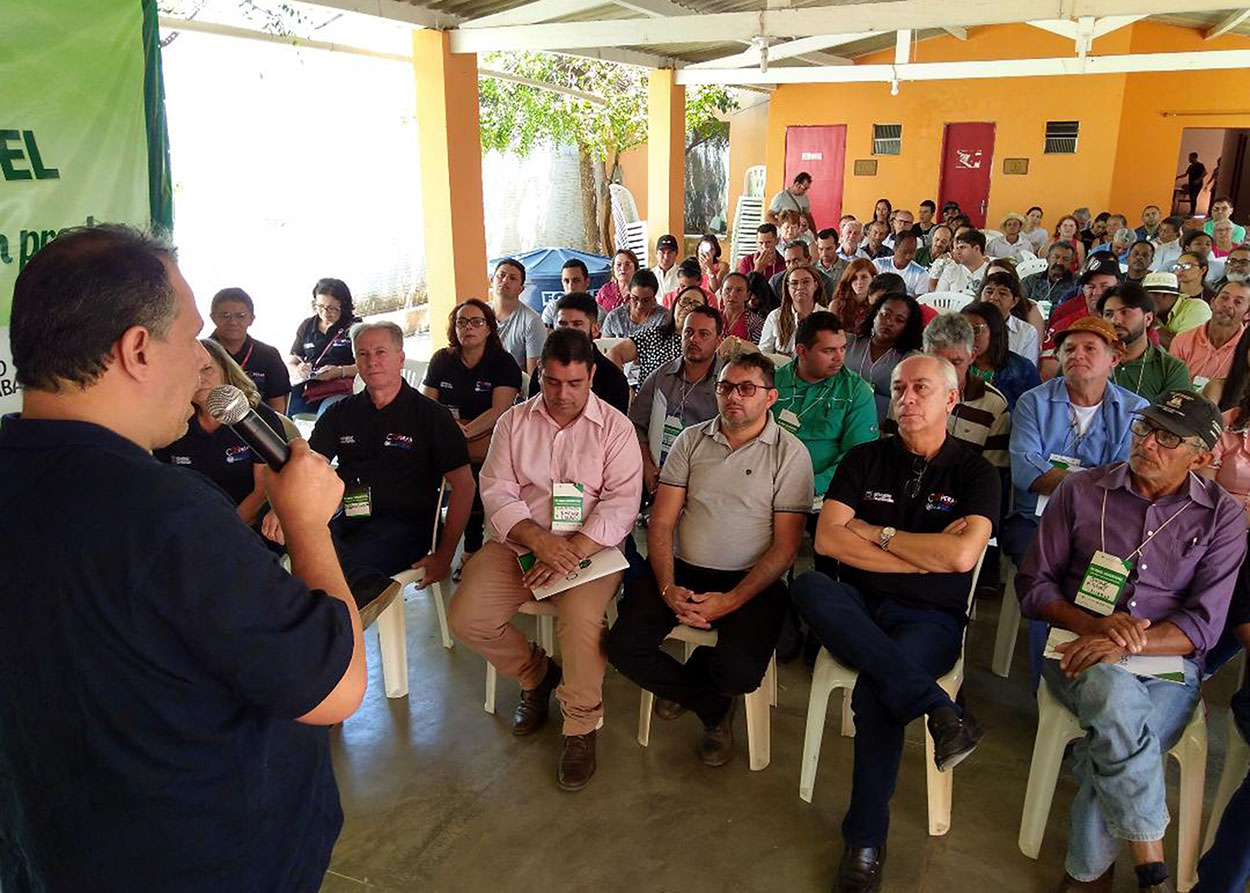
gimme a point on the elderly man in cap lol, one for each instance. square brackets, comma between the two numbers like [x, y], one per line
[1010, 243]
[1174, 312]
[1101, 272]
[1078, 420]
[1154, 583]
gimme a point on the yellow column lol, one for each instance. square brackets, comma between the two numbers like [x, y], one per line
[451, 175]
[666, 158]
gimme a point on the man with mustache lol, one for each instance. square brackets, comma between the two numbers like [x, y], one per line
[1208, 350]
[1144, 368]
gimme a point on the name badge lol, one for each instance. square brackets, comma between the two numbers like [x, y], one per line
[788, 420]
[1103, 583]
[1200, 382]
[1067, 463]
[358, 502]
[567, 501]
[672, 427]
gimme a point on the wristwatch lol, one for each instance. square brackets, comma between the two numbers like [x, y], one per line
[887, 534]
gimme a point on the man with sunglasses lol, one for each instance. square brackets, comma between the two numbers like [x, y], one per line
[1133, 559]
[727, 521]
[917, 503]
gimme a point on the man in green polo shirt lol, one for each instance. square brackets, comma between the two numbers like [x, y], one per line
[820, 401]
[1144, 368]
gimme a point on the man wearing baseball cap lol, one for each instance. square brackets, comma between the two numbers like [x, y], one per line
[1134, 559]
[1174, 312]
[665, 269]
[1101, 272]
[1076, 421]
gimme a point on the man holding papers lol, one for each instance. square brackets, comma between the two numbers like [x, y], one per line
[726, 524]
[561, 482]
[1139, 560]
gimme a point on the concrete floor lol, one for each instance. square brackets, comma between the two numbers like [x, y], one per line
[439, 796]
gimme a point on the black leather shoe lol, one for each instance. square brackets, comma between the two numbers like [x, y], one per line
[577, 762]
[860, 870]
[531, 713]
[717, 746]
[668, 709]
[955, 737]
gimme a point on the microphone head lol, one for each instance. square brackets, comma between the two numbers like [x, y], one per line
[227, 404]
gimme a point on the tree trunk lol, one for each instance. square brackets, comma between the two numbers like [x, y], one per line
[590, 206]
[605, 205]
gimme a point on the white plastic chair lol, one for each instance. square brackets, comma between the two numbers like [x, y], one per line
[1236, 764]
[1008, 622]
[758, 702]
[755, 179]
[414, 372]
[1028, 264]
[829, 674]
[945, 301]
[991, 234]
[1056, 726]
[606, 344]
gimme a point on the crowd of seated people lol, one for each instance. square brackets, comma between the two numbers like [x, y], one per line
[1092, 415]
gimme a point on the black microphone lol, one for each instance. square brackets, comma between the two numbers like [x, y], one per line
[228, 405]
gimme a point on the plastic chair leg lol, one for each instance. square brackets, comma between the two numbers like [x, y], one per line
[772, 680]
[1008, 627]
[759, 732]
[1191, 753]
[436, 593]
[1236, 764]
[645, 704]
[940, 787]
[489, 706]
[547, 634]
[848, 715]
[393, 645]
[1055, 728]
[817, 707]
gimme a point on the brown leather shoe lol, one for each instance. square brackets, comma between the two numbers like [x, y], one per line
[1101, 884]
[665, 709]
[577, 762]
[717, 746]
[532, 711]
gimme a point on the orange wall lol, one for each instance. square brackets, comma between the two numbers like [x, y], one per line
[634, 176]
[1126, 149]
[748, 140]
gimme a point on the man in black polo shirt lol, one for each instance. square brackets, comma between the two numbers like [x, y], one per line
[579, 310]
[233, 313]
[919, 502]
[395, 447]
[162, 691]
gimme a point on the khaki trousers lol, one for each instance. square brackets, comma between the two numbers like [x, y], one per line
[489, 594]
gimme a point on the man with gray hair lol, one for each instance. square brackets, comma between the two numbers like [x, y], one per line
[798, 254]
[395, 448]
[981, 419]
[919, 502]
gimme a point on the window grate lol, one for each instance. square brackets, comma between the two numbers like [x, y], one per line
[1061, 137]
[887, 139]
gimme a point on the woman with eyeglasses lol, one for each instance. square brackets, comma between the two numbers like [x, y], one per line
[476, 379]
[1191, 273]
[994, 361]
[1002, 289]
[323, 366]
[801, 292]
[891, 331]
[1222, 238]
[850, 303]
[651, 348]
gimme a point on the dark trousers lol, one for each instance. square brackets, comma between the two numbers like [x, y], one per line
[899, 651]
[707, 683]
[473, 532]
[1225, 868]
[371, 550]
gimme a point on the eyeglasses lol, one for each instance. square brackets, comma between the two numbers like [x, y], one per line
[744, 388]
[978, 328]
[1237, 262]
[232, 317]
[918, 467]
[1186, 266]
[327, 308]
[470, 322]
[1168, 440]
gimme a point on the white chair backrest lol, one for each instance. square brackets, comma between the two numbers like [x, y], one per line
[1029, 265]
[991, 234]
[623, 203]
[606, 344]
[414, 372]
[747, 219]
[945, 301]
[358, 385]
[525, 388]
[755, 179]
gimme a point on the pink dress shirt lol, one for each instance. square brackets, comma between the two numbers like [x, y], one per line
[1232, 460]
[529, 453]
[610, 296]
[1193, 349]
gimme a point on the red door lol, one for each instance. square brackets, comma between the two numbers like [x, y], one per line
[967, 158]
[821, 151]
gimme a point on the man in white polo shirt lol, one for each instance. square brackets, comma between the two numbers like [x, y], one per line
[903, 263]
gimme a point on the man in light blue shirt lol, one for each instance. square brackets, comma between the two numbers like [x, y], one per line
[1078, 420]
[903, 263]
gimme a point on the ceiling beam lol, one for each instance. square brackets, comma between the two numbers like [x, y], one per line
[532, 13]
[656, 7]
[636, 58]
[1107, 24]
[1231, 21]
[824, 59]
[957, 33]
[1212, 60]
[902, 46]
[804, 22]
[394, 10]
[788, 50]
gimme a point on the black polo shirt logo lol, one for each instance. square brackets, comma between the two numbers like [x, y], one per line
[179, 460]
[258, 377]
[239, 453]
[309, 345]
[398, 441]
[483, 387]
[939, 502]
[878, 496]
[347, 439]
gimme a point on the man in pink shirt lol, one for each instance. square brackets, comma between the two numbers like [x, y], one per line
[566, 436]
[1208, 350]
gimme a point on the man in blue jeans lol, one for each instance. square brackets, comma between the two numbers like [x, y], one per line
[1155, 582]
[919, 502]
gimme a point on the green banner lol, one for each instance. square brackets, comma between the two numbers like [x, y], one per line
[82, 130]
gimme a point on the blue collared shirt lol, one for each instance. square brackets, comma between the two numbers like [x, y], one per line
[1044, 423]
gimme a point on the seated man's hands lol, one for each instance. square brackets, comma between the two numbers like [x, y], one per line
[271, 528]
[1083, 652]
[702, 609]
[436, 568]
[1124, 629]
[556, 552]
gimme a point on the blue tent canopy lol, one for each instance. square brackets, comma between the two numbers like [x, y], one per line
[542, 272]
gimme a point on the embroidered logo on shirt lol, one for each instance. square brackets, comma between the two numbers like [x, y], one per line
[483, 387]
[399, 441]
[237, 454]
[939, 502]
[877, 496]
[258, 377]
[179, 460]
[347, 438]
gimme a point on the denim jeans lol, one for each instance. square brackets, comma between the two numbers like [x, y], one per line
[1129, 722]
[899, 650]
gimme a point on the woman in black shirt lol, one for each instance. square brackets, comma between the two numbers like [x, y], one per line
[476, 379]
[323, 366]
[214, 450]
